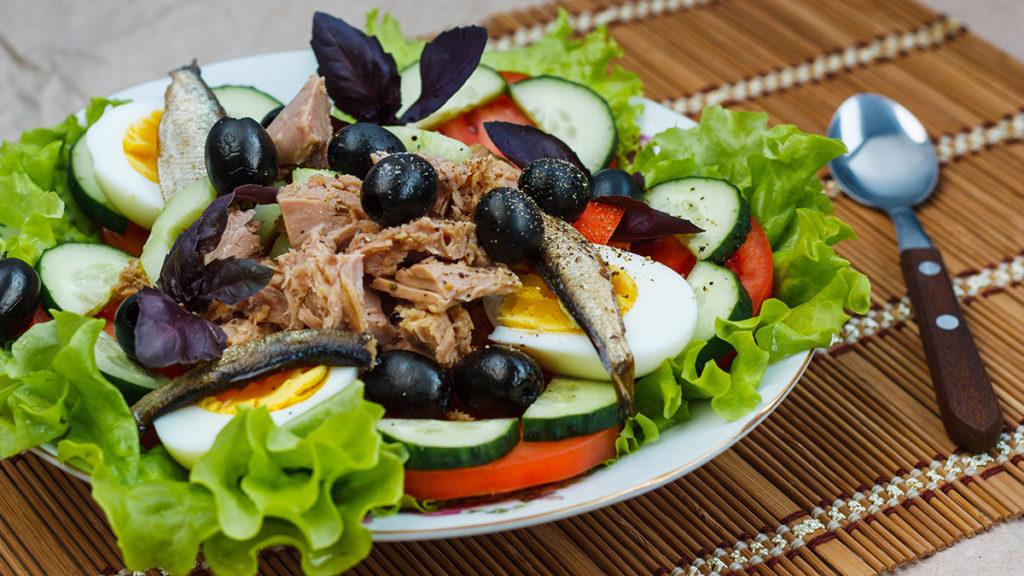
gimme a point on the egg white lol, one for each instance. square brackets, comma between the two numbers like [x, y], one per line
[188, 433]
[658, 326]
[134, 195]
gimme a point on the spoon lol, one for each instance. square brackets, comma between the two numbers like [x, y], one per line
[891, 166]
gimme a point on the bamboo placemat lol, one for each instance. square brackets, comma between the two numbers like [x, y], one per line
[853, 474]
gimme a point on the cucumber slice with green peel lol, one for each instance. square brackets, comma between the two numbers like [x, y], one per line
[716, 206]
[245, 101]
[572, 112]
[483, 85]
[416, 141]
[570, 407]
[280, 246]
[133, 380]
[720, 294]
[87, 192]
[300, 175]
[445, 444]
[267, 215]
[178, 214]
[79, 277]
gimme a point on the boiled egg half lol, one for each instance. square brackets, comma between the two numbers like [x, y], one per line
[124, 144]
[188, 433]
[659, 312]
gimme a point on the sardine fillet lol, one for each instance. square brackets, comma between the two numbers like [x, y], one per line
[190, 110]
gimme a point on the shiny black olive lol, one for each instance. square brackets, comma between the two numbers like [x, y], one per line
[269, 116]
[557, 186]
[409, 385]
[350, 149]
[19, 297]
[497, 382]
[399, 188]
[509, 226]
[239, 151]
[614, 182]
[125, 320]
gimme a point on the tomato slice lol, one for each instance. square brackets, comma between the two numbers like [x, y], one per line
[752, 262]
[513, 77]
[528, 464]
[670, 252]
[131, 242]
[469, 128]
[599, 221]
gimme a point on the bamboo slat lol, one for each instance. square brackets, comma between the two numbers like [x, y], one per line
[853, 474]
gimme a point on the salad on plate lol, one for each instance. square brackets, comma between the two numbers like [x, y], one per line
[437, 274]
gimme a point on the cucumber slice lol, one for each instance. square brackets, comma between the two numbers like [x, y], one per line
[300, 175]
[80, 277]
[483, 85]
[245, 101]
[444, 444]
[132, 380]
[720, 294]
[179, 213]
[570, 407]
[716, 206]
[267, 215]
[574, 113]
[416, 140]
[87, 192]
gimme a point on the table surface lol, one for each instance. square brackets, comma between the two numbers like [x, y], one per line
[106, 45]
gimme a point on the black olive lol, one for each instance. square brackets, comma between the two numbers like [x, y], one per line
[269, 116]
[557, 186]
[125, 320]
[19, 297]
[497, 382]
[614, 182]
[409, 385]
[239, 151]
[350, 149]
[509, 226]
[399, 188]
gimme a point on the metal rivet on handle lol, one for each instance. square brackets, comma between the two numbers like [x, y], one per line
[947, 322]
[929, 268]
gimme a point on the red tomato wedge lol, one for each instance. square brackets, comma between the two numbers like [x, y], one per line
[469, 128]
[528, 464]
[513, 77]
[669, 252]
[752, 262]
[599, 221]
[131, 242]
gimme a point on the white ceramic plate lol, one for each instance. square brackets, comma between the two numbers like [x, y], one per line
[678, 451]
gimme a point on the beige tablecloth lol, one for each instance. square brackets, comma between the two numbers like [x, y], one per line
[54, 54]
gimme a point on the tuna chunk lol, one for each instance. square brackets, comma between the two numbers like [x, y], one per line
[322, 289]
[131, 280]
[265, 312]
[302, 130]
[325, 204]
[239, 238]
[461, 185]
[437, 286]
[445, 336]
[385, 250]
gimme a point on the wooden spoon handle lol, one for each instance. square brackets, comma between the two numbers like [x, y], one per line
[968, 404]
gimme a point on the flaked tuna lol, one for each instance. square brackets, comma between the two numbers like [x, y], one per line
[325, 204]
[437, 286]
[302, 130]
[385, 250]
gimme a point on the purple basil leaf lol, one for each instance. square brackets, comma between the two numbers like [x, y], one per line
[524, 144]
[641, 222]
[166, 334]
[256, 194]
[640, 181]
[447, 62]
[182, 266]
[361, 77]
[232, 280]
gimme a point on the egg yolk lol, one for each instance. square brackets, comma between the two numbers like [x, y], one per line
[142, 145]
[535, 307]
[275, 392]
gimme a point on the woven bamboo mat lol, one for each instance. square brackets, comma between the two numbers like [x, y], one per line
[853, 474]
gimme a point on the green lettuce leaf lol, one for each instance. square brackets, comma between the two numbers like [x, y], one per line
[37, 210]
[589, 61]
[308, 484]
[815, 290]
[660, 405]
[388, 32]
